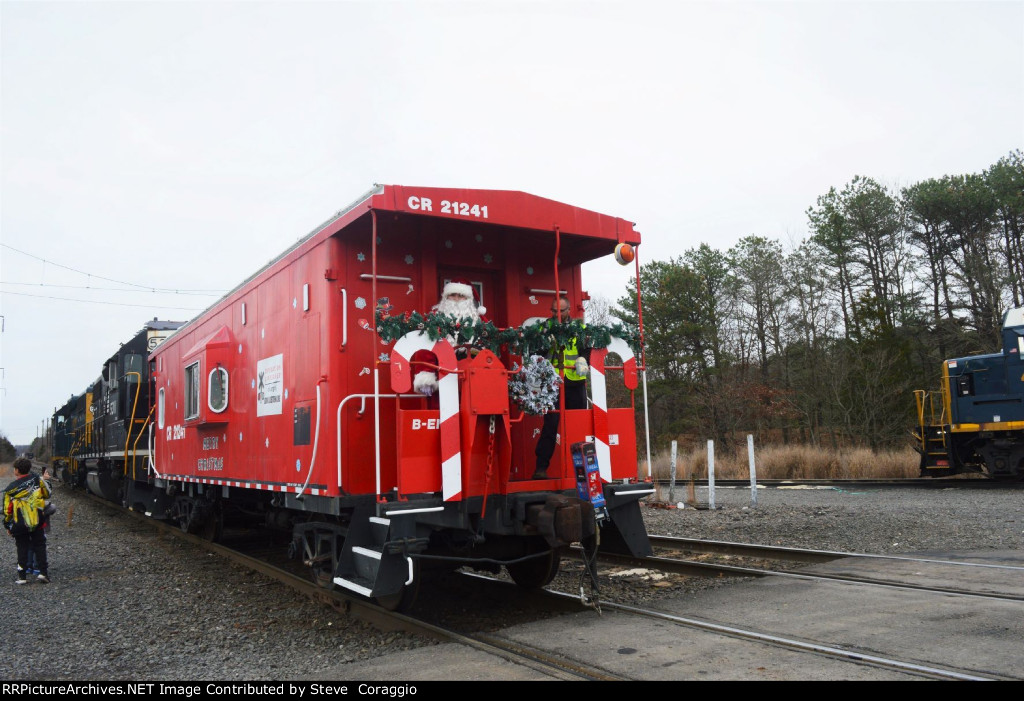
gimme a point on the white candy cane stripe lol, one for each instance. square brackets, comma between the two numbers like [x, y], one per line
[246, 485]
[600, 397]
[448, 396]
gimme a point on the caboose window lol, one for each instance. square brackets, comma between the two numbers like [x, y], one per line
[192, 391]
[218, 394]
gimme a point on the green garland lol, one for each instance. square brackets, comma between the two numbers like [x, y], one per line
[538, 338]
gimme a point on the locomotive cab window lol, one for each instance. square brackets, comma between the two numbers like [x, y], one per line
[218, 394]
[133, 363]
[965, 385]
[192, 391]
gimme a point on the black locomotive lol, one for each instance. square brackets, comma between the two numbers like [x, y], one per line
[100, 436]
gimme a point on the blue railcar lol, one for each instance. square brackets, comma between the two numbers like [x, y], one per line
[975, 422]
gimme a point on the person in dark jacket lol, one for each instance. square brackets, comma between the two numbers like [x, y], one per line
[24, 499]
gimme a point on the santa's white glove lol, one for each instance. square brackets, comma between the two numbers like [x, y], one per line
[582, 368]
[425, 382]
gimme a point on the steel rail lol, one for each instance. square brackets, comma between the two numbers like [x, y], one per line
[706, 569]
[778, 552]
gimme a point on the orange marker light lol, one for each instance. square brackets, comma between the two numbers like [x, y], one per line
[624, 254]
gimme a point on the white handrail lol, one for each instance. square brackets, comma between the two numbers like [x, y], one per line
[344, 317]
[385, 278]
[316, 442]
[152, 453]
[362, 409]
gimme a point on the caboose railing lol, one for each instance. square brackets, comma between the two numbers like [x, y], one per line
[362, 410]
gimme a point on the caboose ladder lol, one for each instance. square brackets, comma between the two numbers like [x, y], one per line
[367, 566]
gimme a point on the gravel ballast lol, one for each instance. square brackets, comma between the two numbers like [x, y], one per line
[128, 604]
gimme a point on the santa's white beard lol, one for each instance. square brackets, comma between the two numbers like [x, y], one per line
[460, 309]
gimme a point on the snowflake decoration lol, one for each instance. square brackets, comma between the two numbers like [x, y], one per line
[488, 258]
[360, 257]
[384, 358]
[409, 259]
[534, 300]
[448, 243]
[479, 238]
[529, 270]
[360, 303]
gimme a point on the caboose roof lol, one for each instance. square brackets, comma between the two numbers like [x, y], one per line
[510, 209]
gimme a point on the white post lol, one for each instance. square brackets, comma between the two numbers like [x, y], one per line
[753, 470]
[711, 475]
[647, 420]
[672, 479]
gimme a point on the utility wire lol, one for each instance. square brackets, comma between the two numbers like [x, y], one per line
[113, 304]
[106, 289]
[107, 279]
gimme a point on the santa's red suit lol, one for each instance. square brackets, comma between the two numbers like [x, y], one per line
[458, 300]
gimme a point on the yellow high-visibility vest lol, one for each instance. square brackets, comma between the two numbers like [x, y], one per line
[569, 356]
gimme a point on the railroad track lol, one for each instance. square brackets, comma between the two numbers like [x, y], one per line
[872, 483]
[560, 666]
[836, 652]
[756, 553]
[268, 563]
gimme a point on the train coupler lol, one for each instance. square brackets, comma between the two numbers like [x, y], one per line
[562, 520]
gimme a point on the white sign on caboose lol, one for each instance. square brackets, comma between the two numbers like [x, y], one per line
[269, 385]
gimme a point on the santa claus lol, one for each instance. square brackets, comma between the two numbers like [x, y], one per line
[459, 301]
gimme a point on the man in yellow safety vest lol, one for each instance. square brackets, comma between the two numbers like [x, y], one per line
[573, 361]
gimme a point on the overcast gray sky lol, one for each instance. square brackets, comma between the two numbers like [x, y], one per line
[184, 144]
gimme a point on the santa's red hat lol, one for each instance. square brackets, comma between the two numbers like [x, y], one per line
[462, 286]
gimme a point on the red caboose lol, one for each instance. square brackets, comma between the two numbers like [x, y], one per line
[288, 398]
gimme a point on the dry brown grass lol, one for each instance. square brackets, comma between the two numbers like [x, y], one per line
[6, 469]
[789, 462]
